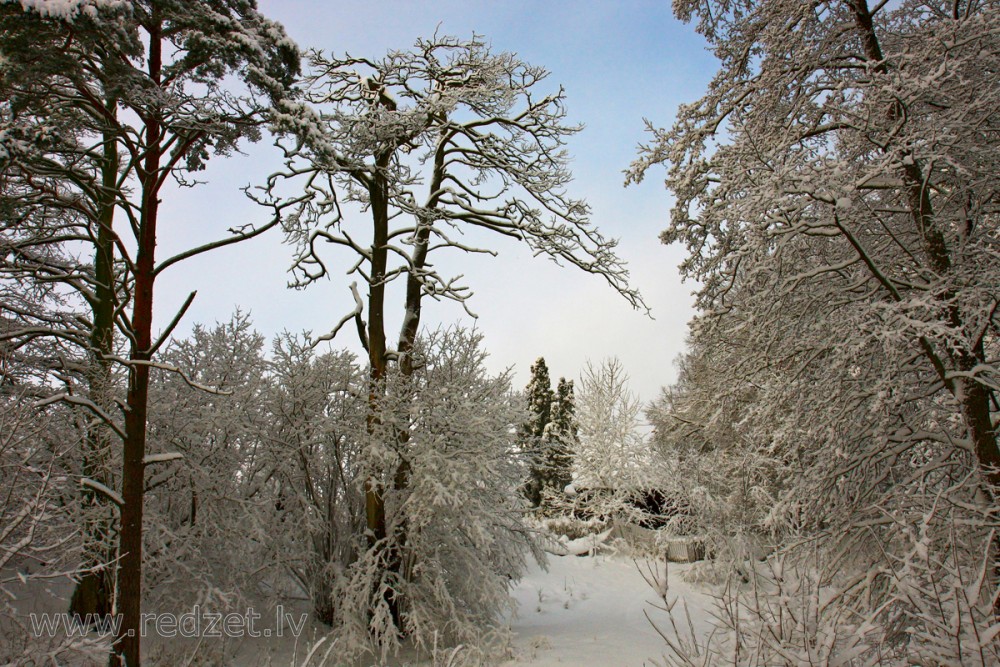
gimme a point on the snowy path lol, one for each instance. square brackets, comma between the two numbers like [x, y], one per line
[589, 612]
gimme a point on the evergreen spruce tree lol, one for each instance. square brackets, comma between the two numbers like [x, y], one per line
[559, 440]
[549, 436]
[539, 395]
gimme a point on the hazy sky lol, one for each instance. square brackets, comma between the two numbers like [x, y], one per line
[619, 62]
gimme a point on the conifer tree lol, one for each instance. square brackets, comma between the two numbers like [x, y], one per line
[559, 440]
[539, 396]
[550, 434]
[142, 93]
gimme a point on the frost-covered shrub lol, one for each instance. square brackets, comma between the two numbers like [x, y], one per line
[724, 491]
[916, 587]
[268, 469]
[454, 516]
[275, 464]
[199, 508]
[318, 410]
[569, 526]
[40, 515]
[780, 613]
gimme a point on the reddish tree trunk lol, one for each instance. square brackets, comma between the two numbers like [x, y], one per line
[127, 646]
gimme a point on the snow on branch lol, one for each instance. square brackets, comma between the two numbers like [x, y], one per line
[355, 314]
[171, 369]
[94, 485]
[161, 458]
[447, 134]
[73, 399]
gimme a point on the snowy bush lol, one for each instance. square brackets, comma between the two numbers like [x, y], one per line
[569, 526]
[268, 461]
[718, 470]
[273, 461]
[915, 586]
[456, 522]
[203, 447]
[39, 519]
[317, 409]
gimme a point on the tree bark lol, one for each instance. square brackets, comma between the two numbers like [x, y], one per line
[374, 487]
[127, 645]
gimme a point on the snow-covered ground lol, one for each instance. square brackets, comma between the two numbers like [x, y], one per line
[584, 611]
[588, 611]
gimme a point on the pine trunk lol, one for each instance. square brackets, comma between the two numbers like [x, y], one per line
[127, 646]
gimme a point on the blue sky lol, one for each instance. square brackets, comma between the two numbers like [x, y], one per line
[619, 62]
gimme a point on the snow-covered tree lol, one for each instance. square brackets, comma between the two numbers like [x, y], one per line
[204, 462]
[559, 440]
[264, 465]
[724, 484]
[465, 543]
[37, 446]
[874, 190]
[548, 438]
[141, 92]
[538, 395]
[311, 451]
[612, 453]
[59, 165]
[443, 141]
[836, 188]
